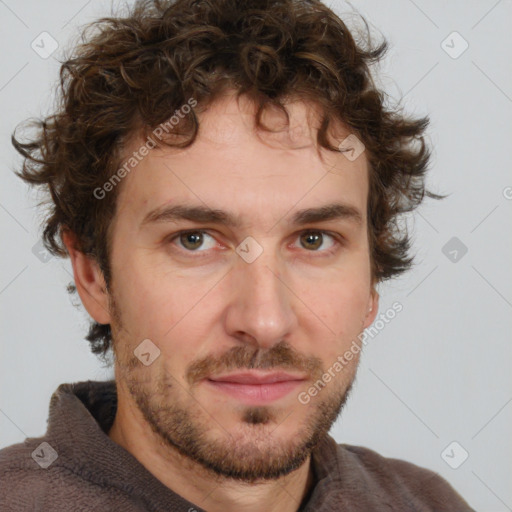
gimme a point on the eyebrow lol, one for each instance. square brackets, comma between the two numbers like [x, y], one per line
[203, 214]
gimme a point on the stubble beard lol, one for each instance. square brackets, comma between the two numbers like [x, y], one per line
[254, 450]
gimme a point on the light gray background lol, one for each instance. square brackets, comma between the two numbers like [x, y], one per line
[440, 371]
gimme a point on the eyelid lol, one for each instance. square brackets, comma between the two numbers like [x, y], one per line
[339, 240]
[177, 235]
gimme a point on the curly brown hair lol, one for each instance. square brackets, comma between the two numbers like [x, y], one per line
[133, 72]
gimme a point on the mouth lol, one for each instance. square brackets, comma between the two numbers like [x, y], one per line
[256, 387]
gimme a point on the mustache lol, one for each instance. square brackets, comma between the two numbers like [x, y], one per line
[281, 356]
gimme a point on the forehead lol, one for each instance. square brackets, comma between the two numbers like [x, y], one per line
[253, 173]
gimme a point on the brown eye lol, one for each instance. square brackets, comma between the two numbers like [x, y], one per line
[193, 240]
[320, 242]
[192, 244]
[312, 240]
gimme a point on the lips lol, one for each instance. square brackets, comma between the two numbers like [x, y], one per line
[257, 378]
[256, 387]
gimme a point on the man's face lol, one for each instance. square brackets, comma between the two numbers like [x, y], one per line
[280, 306]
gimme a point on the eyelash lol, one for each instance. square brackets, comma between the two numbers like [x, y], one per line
[337, 239]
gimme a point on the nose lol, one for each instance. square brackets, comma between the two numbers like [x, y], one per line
[261, 307]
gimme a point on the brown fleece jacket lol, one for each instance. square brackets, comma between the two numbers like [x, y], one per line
[82, 469]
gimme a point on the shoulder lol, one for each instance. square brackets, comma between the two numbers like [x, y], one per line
[25, 473]
[395, 482]
[387, 469]
[34, 477]
[18, 457]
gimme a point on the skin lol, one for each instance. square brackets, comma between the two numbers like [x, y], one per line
[296, 307]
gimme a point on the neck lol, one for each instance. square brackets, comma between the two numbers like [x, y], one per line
[199, 485]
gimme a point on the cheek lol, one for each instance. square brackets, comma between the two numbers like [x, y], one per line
[141, 300]
[166, 307]
[341, 304]
[342, 309]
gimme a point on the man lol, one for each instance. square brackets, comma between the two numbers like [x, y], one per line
[226, 181]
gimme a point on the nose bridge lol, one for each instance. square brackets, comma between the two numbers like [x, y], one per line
[261, 307]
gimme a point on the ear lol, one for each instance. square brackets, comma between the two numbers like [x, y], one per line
[89, 281]
[373, 308]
